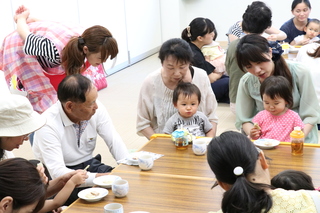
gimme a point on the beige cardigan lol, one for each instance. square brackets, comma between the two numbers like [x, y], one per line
[155, 105]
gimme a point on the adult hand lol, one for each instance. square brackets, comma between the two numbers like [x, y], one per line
[21, 13]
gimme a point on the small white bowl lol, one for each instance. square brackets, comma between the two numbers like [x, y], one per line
[266, 143]
[106, 181]
[87, 195]
[133, 158]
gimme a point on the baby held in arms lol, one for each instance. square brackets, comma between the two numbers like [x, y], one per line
[276, 121]
[215, 55]
[186, 98]
[312, 30]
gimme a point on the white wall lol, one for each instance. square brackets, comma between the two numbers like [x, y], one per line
[140, 26]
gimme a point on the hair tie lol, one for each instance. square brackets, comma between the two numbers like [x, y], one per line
[80, 40]
[276, 50]
[238, 171]
[106, 38]
[188, 30]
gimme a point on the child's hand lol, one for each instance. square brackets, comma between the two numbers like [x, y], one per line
[272, 37]
[21, 12]
[43, 176]
[255, 132]
[304, 41]
[79, 177]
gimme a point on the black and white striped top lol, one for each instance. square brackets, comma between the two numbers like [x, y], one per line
[235, 30]
[44, 49]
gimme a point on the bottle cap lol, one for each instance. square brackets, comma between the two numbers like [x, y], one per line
[298, 128]
[297, 133]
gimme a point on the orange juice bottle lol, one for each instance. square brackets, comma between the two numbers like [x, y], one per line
[297, 140]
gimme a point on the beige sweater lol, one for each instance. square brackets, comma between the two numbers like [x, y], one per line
[155, 105]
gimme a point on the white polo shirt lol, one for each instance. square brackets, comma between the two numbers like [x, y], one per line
[56, 144]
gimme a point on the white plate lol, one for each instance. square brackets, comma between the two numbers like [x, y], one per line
[106, 181]
[266, 143]
[87, 193]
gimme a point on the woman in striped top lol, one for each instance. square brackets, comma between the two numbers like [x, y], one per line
[41, 52]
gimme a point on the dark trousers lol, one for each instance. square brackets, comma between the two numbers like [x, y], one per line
[220, 89]
[95, 166]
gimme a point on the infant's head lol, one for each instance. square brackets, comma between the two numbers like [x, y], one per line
[292, 180]
[186, 98]
[312, 28]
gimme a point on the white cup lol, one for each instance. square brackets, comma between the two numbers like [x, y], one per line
[145, 161]
[120, 188]
[199, 146]
[113, 208]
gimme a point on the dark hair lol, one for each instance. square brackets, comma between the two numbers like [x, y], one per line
[198, 27]
[296, 2]
[20, 180]
[74, 88]
[225, 153]
[1, 150]
[257, 18]
[187, 89]
[313, 20]
[178, 49]
[277, 86]
[316, 53]
[292, 180]
[253, 48]
[97, 39]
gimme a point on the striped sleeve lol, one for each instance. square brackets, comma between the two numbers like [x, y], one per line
[235, 30]
[45, 50]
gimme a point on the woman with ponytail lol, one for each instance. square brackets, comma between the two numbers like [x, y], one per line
[242, 170]
[201, 32]
[262, 59]
[39, 54]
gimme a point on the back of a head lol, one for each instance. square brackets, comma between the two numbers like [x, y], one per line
[20, 180]
[292, 180]
[231, 151]
[198, 27]
[257, 18]
[74, 88]
[176, 48]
